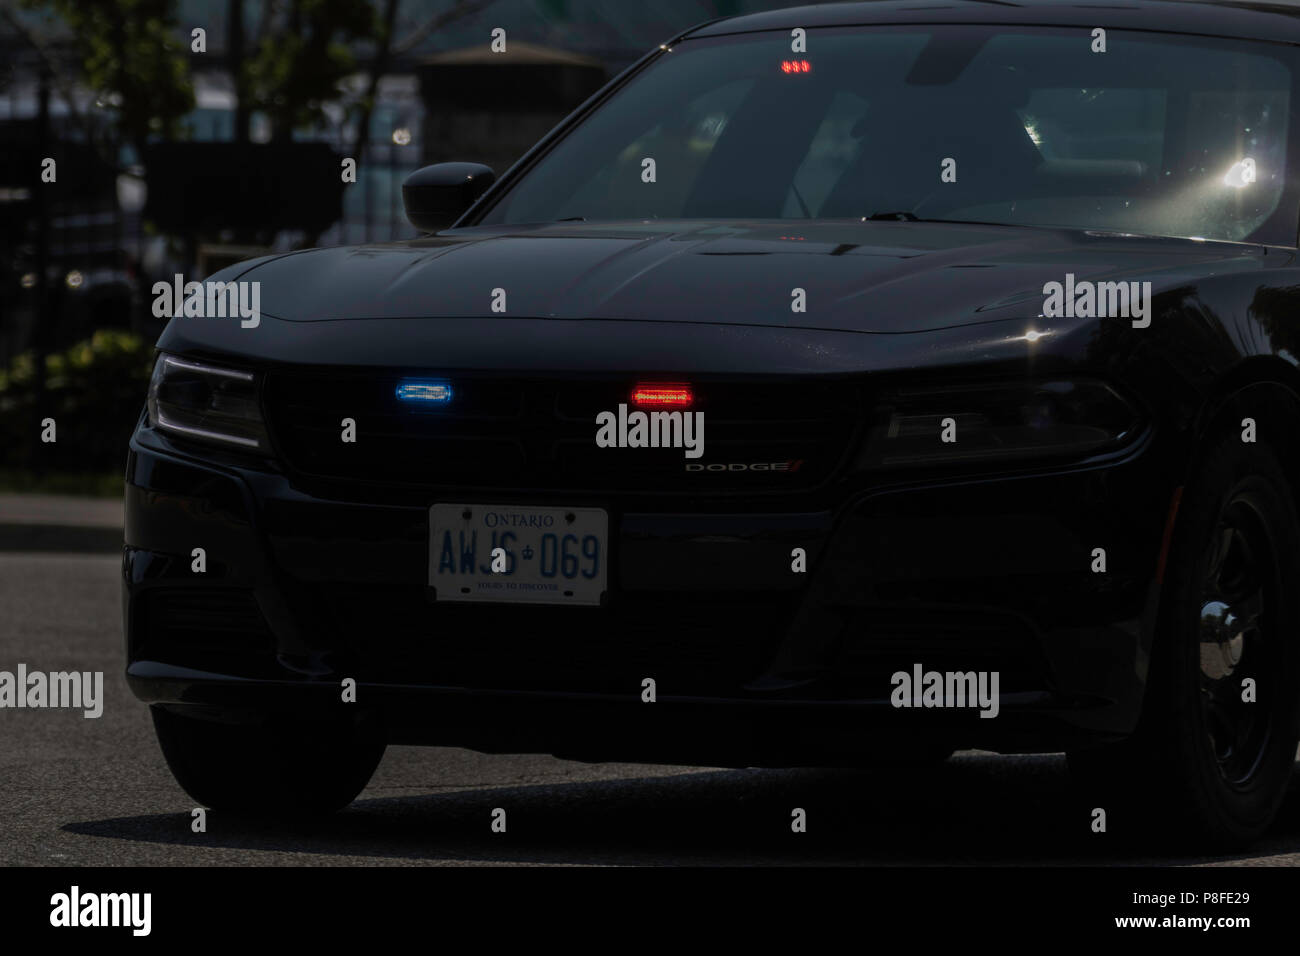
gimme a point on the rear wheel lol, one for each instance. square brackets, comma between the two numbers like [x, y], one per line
[1215, 748]
[274, 767]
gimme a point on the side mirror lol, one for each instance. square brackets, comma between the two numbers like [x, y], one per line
[436, 196]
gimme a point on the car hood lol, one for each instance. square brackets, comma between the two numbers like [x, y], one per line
[884, 277]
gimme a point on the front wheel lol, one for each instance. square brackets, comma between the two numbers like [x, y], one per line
[1214, 750]
[271, 768]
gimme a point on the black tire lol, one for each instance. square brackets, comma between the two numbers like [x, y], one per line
[269, 768]
[1205, 767]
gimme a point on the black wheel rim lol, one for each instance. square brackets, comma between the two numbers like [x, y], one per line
[1238, 594]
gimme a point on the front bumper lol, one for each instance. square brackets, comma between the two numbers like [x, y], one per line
[753, 664]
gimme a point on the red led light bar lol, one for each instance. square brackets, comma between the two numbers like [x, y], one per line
[662, 395]
[796, 66]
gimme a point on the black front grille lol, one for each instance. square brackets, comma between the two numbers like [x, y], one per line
[533, 433]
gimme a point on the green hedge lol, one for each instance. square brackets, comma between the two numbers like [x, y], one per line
[94, 392]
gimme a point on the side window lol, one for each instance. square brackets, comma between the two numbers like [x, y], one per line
[679, 144]
[832, 151]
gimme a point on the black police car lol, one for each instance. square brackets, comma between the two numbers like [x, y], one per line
[840, 383]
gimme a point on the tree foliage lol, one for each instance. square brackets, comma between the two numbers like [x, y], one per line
[302, 58]
[133, 56]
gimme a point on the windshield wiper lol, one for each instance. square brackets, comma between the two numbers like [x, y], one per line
[913, 217]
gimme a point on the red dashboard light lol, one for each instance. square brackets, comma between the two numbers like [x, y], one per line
[662, 395]
[796, 66]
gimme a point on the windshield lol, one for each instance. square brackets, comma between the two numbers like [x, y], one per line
[1159, 134]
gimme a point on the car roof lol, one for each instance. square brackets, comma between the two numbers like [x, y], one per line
[1277, 20]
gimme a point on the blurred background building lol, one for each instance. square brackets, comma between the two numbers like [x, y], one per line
[419, 75]
[180, 152]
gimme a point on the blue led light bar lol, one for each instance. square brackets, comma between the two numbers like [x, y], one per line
[427, 392]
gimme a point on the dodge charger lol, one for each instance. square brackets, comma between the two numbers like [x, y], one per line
[842, 385]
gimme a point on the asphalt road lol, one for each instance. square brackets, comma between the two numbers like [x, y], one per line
[75, 791]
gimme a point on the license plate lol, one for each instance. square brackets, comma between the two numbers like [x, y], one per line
[547, 556]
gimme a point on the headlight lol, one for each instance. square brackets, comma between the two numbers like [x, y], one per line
[207, 403]
[993, 423]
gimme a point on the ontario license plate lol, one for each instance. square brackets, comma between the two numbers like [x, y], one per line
[518, 554]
